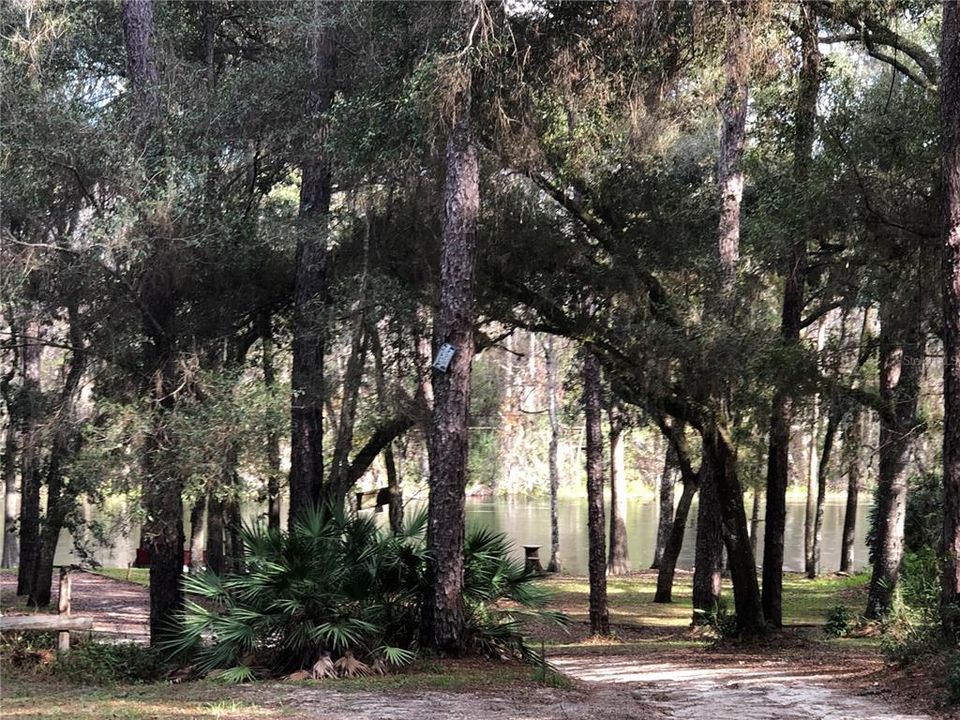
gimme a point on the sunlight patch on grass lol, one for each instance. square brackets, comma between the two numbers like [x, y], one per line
[140, 576]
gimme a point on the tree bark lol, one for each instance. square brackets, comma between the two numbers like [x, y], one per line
[599, 613]
[754, 522]
[810, 508]
[665, 521]
[389, 462]
[550, 357]
[854, 438]
[443, 613]
[901, 364]
[29, 459]
[950, 168]
[310, 283]
[618, 562]
[790, 324]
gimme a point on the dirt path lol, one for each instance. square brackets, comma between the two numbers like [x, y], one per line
[614, 686]
[772, 691]
[120, 610]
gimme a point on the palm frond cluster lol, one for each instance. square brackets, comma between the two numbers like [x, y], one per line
[340, 596]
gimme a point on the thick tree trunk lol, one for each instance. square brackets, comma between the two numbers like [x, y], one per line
[550, 357]
[272, 444]
[665, 521]
[310, 284]
[950, 167]
[834, 418]
[443, 618]
[854, 437]
[29, 459]
[618, 562]
[597, 563]
[708, 555]
[790, 324]
[62, 447]
[901, 364]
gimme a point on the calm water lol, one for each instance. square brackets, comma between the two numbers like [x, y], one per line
[527, 522]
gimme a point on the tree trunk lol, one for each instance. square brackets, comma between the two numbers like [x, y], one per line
[11, 485]
[671, 552]
[29, 459]
[810, 508]
[599, 614]
[754, 521]
[215, 512]
[618, 562]
[62, 447]
[310, 284]
[550, 357]
[950, 168]
[790, 321]
[851, 447]
[834, 418]
[389, 462]
[197, 534]
[443, 616]
[272, 444]
[665, 521]
[708, 555]
[901, 364]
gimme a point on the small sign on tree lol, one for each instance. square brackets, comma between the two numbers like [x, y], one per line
[444, 356]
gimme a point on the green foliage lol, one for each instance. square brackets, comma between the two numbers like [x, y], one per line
[107, 663]
[336, 583]
[913, 628]
[838, 622]
[721, 622]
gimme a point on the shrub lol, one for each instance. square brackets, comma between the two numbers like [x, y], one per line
[106, 663]
[838, 622]
[335, 583]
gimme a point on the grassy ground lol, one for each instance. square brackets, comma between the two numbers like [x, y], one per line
[140, 576]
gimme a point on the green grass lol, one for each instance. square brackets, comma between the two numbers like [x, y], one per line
[140, 576]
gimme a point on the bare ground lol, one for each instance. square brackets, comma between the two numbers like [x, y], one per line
[787, 681]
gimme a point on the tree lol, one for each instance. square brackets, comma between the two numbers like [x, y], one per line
[310, 287]
[550, 357]
[596, 527]
[950, 169]
[617, 562]
[665, 496]
[443, 604]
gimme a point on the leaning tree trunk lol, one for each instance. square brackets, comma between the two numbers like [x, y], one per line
[443, 612]
[851, 451]
[29, 458]
[63, 445]
[950, 168]
[389, 462]
[754, 521]
[665, 521]
[597, 564]
[310, 282]
[618, 560]
[691, 482]
[782, 411]
[901, 365]
[810, 508]
[550, 356]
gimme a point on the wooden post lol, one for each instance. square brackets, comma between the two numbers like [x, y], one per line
[532, 559]
[63, 606]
